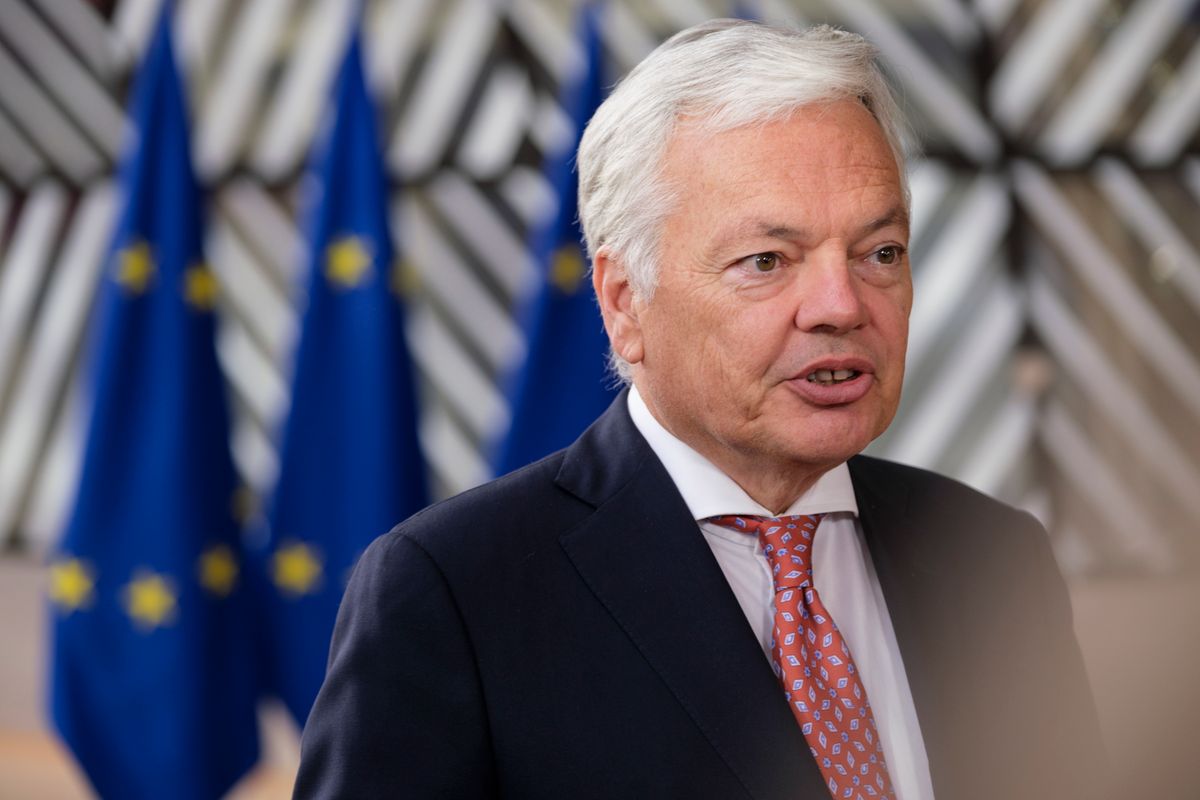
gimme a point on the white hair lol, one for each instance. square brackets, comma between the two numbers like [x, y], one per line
[716, 76]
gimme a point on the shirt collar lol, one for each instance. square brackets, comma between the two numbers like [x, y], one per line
[709, 492]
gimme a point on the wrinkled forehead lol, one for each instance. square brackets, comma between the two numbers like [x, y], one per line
[694, 134]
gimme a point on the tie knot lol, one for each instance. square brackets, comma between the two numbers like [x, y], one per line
[786, 542]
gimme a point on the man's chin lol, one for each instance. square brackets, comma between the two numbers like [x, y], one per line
[830, 439]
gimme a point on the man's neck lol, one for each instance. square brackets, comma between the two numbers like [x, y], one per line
[774, 487]
[775, 495]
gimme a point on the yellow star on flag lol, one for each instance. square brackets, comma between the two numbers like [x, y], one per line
[296, 569]
[135, 267]
[200, 287]
[567, 271]
[347, 261]
[72, 584]
[218, 570]
[149, 600]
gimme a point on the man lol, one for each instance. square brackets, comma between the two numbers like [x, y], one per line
[710, 594]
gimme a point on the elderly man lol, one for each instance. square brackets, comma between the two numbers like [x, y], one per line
[710, 594]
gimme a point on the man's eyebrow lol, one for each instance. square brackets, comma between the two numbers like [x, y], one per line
[748, 229]
[782, 232]
[897, 216]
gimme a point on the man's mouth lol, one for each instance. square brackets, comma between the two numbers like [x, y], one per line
[827, 377]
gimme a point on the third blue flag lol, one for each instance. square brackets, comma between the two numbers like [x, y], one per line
[351, 466]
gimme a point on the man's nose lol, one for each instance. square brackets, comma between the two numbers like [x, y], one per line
[830, 296]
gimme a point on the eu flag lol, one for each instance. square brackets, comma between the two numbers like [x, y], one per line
[564, 384]
[351, 466]
[153, 683]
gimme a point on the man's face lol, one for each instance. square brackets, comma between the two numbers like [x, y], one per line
[776, 336]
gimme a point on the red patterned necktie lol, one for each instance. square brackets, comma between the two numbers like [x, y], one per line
[812, 661]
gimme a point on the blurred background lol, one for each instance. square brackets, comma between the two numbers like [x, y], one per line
[1054, 358]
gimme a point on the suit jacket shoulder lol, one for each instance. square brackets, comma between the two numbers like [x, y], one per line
[492, 522]
[983, 619]
[934, 498]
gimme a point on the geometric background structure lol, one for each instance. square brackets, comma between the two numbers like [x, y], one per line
[1054, 358]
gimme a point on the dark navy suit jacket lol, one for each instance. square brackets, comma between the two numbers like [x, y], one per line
[565, 632]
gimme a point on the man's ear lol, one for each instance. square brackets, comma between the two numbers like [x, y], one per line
[615, 294]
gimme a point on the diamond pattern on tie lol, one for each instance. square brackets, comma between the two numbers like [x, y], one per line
[814, 665]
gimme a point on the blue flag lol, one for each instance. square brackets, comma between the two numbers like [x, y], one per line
[153, 680]
[351, 464]
[564, 383]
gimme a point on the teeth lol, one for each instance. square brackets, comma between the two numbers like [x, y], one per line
[830, 376]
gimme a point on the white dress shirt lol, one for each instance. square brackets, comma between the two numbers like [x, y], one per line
[843, 575]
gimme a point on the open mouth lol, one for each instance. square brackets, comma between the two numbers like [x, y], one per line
[827, 377]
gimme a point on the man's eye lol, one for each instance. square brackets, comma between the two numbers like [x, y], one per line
[889, 255]
[765, 262]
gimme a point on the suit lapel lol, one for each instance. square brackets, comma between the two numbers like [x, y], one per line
[912, 580]
[645, 560]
